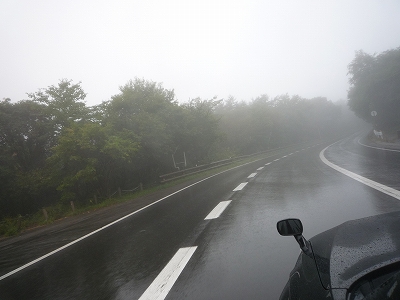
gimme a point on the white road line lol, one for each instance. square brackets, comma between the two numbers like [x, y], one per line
[91, 233]
[375, 185]
[290, 154]
[277, 159]
[240, 187]
[268, 164]
[218, 210]
[260, 168]
[252, 175]
[163, 283]
[377, 147]
[112, 223]
[284, 156]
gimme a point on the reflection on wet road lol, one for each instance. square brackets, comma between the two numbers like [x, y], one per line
[217, 239]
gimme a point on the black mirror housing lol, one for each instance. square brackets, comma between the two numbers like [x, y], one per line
[294, 227]
[290, 227]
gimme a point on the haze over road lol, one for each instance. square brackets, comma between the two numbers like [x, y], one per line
[215, 239]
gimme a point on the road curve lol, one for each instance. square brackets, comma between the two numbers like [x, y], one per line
[213, 240]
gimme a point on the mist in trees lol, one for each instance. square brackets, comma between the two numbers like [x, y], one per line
[54, 148]
[264, 123]
[375, 86]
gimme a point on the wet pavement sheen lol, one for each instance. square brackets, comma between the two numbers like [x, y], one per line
[240, 255]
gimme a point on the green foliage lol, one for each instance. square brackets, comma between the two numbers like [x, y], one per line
[25, 130]
[10, 226]
[375, 86]
[86, 157]
[200, 130]
[64, 103]
[54, 149]
[146, 110]
[25, 134]
[28, 131]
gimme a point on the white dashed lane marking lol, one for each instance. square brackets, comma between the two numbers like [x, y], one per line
[163, 283]
[218, 210]
[240, 186]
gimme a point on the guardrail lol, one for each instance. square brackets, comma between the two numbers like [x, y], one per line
[193, 170]
[198, 169]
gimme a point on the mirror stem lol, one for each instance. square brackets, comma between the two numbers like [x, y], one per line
[304, 245]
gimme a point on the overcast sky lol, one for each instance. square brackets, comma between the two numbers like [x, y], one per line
[198, 48]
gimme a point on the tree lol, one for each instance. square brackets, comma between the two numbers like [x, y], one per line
[288, 120]
[201, 130]
[375, 86]
[25, 130]
[90, 159]
[54, 149]
[260, 125]
[29, 130]
[234, 123]
[147, 110]
[64, 102]
[25, 133]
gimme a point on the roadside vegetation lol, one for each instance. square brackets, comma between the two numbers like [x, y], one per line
[10, 226]
[55, 149]
[374, 93]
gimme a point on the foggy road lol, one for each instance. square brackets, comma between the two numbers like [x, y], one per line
[215, 239]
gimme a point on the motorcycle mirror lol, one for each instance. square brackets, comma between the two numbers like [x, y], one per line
[290, 227]
[294, 227]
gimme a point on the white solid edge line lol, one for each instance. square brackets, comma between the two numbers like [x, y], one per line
[385, 149]
[163, 283]
[252, 175]
[218, 210]
[375, 185]
[240, 187]
[114, 222]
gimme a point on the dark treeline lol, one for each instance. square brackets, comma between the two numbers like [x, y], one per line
[375, 87]
[54, 148]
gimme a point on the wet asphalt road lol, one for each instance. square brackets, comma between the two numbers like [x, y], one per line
[239, 254]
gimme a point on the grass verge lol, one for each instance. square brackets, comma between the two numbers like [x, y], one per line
[12, 226]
